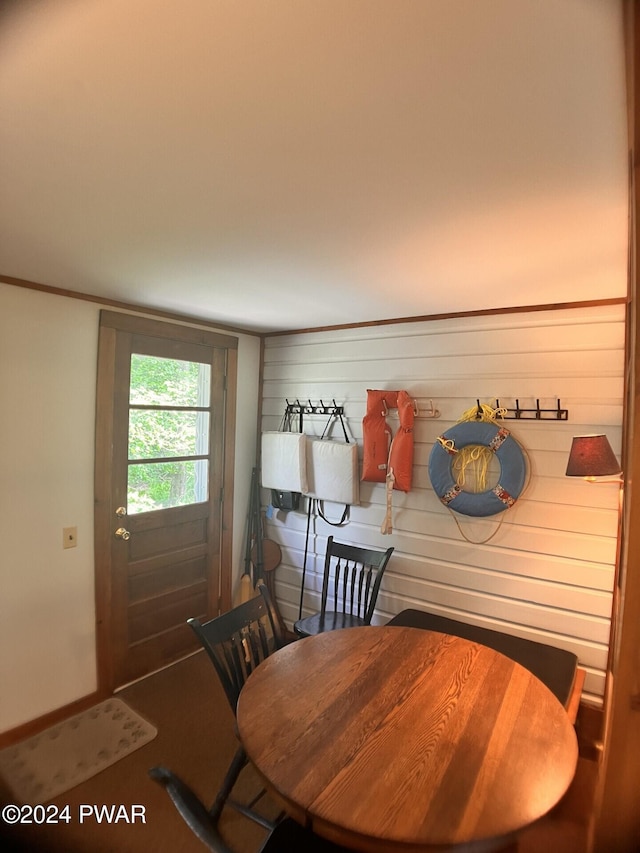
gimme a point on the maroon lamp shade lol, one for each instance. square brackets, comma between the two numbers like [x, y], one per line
[591, 456]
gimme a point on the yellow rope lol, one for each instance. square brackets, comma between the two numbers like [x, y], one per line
[475, 456]
[484, 413]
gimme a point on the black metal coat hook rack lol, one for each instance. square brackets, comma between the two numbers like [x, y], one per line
[537, 414]
[309, 408]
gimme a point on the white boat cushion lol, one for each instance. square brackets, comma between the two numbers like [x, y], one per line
[284, 461]
[332, 471]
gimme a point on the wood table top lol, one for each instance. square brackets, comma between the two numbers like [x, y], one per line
[390, 738]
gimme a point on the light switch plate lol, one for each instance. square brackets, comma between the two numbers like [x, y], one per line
[69, 537]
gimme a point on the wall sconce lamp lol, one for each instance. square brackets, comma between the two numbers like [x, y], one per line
[591, 457]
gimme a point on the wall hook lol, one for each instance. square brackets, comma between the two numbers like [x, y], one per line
[538, 414]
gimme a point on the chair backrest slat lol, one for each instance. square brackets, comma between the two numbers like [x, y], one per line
[362, 590]
[228, 651]
[353, 574]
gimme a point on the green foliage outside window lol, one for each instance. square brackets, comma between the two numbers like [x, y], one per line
[158, 432]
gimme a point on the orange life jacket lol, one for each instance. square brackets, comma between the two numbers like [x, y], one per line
[384, 454]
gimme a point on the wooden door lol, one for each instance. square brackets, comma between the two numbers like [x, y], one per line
[164, 468]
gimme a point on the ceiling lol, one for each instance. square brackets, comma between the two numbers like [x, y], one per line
[283, 164]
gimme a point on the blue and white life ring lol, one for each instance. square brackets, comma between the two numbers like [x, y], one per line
[513, 468]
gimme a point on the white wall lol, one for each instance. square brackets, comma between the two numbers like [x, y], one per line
[547, 574]
[48, 350]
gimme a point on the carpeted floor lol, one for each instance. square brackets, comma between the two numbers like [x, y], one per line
[196, 740]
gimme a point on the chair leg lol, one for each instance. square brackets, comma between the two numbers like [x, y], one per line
[238, 763]
[224, 797]
[190, 808]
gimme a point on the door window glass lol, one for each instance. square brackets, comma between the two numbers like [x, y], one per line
[168, 458]
[168, 381]
[160, 485]
[162, 433]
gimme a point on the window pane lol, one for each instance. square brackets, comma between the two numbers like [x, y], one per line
[169, 382]
[158, 433]
[160, 485]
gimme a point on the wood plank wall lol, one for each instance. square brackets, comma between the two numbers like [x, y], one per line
[547, 573]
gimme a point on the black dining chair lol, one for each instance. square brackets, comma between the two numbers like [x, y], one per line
[237, 642]
[350, 586]
[287, 836]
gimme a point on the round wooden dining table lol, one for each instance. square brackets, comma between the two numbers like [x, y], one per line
[401, 739]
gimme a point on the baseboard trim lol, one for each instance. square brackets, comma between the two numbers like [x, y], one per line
[33, 727]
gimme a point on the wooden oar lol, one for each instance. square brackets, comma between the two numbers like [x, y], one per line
[245, 587]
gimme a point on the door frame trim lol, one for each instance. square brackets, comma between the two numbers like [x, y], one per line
[110, 323]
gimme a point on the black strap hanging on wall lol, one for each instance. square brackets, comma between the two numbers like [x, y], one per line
[343, 520]
[326, 433]
[334, 413]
